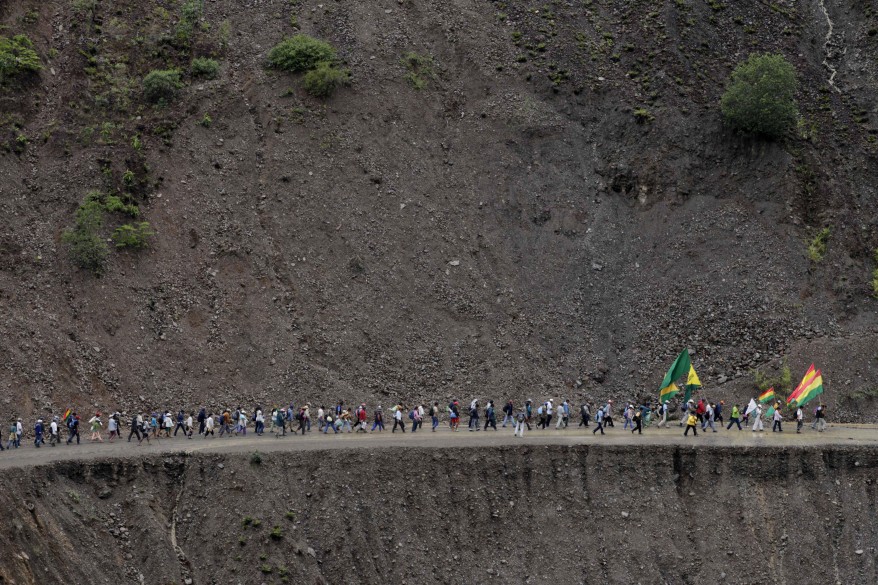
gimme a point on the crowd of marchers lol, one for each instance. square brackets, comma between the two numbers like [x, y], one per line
[341, 418]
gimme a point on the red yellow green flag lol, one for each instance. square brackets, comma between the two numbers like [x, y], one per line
[809, 377]
[767, 395]
[810, 388]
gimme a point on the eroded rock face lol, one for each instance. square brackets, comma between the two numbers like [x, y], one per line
[349, 514]
[570, 159]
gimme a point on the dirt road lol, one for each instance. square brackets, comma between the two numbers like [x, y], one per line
[314, 441]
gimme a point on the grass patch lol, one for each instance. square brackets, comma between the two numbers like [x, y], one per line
[17, 57]
[419, 69]
[817, 247]
[161, 85]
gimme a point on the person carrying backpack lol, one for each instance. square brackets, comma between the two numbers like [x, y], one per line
[508, 410]
[520, 421]
[73, 427]
[378, 420]
[599, 422]
[490, 417]
[584, 415]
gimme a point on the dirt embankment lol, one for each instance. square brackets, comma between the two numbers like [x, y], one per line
[505, 515]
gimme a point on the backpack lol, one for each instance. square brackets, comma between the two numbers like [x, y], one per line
[520, 417]
[411, 415]
[300, 416]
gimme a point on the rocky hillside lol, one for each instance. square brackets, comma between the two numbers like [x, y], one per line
[505, 515]
[508, 198]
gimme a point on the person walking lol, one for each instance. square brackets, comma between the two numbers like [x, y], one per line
[608, 414]
[541, 413]
[638, 422]
[145, 427]
[584, 414]
[416, 419]
[709, 417]
[473, 424]
[181, 420]
[328, 420]
[757, 419]
[598, 421]
[13, 434]
[454, 415]
[398, 422]
[691, 423]
[490, 417]
[378, 420]
[202, 418]
[663, 414]
[800, 419]
[520, 419]
[95, 425]
[718, 412]
[563, 415]
[113, 427]
[73, 428]
[626, 416]
[550, 409]
[508, 410]
[54, 436]
[38, 433]
[529, 413]
[735, 418]
[434, 415]
[778, 417]
[259, 418]
[209, 425]
[820, 418]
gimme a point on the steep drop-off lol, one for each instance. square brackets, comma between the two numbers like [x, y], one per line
[508, 515]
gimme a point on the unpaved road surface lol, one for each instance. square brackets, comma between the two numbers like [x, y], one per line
[443, 438]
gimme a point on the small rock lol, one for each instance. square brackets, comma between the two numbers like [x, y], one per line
[625, 514]
[454, 263]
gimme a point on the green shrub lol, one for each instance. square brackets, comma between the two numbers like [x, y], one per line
[114, 204]
[817, 247]
[324, 79]
[643, 116]
[133, 235]
[276, 533]
[205, 67]
[300, 53]
[206, 121]
[256, 458]
[760, 98]
[190, 14]
[87, 248]
[161, 85]
[420, 69]
[17, 57]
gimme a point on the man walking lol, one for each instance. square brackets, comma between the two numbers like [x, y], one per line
[757, 419]
[735, 419]
[800, 419]
[508, 410]
[599, 422]
[584, 415]
[691, 423]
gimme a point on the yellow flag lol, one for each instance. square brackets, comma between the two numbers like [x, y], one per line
[693, 380]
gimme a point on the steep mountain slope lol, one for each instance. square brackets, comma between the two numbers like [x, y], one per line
[557, 212]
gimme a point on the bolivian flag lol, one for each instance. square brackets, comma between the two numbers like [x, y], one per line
[767, 395]
[810, 387]
[679, 368]
[692, 382]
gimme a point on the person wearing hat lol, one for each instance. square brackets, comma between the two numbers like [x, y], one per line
[19, 431]
[378, 420]
[113, 427]
[663, 410]
[434, 415]
[38, 433]
[73, 428]
[54, 437]
[361, 418]
[520, 422]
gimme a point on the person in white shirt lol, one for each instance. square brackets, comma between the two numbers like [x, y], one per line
[800, 419]
[757, 416]
[397, 419]
[778, 417]
[209, 423]
[321, 419]
[54, 437]
[190, 426]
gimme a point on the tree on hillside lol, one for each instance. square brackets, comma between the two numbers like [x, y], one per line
[760, 98]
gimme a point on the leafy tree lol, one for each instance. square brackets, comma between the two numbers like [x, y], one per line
[760, 98]
[133, 235]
